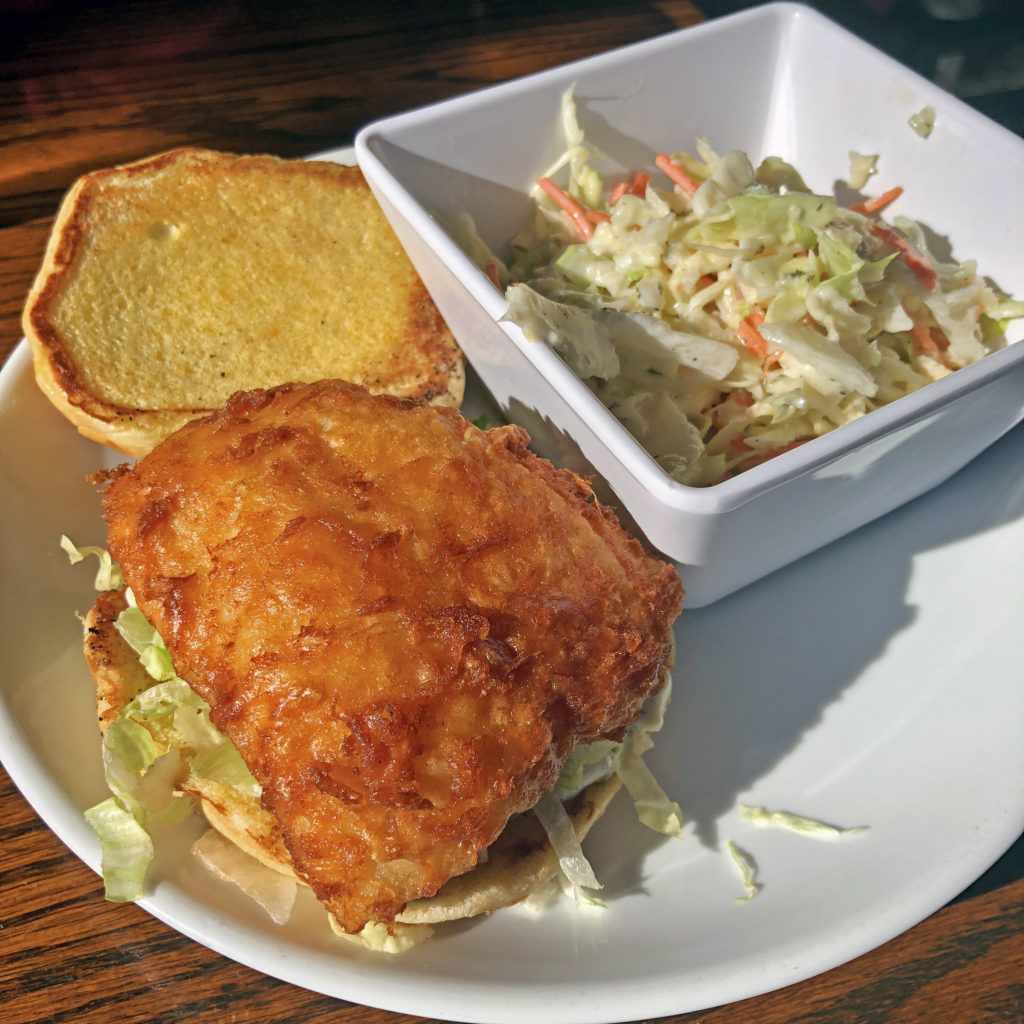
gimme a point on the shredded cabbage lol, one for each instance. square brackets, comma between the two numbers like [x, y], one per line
[724, 327]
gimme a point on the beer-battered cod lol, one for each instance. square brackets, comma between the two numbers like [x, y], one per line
[404, 623]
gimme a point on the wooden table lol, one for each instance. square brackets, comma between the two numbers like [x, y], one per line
[84, 87]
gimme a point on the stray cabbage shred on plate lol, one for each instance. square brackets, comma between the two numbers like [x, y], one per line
[729, 314]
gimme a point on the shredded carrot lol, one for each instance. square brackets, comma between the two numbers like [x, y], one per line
[873, 205]
[704, 281]
[576, 212]
[720, 415]
[770, 453]
[751, 336]
[928, 343]
[596, 216]
[774, 358]
[673, 171]
[917, 263]
[754, 457]
[638, 186]
[491, 270]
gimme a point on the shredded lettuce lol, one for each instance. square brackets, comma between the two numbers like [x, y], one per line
[862, 166]
[144, 640]
[157, 793]
[273, 891]
[588, 763]
[653, 807]
[923, 121]
[382, 939]
[224, 764]
[132, 744]
[543, 897]
[157, 739]
[591, 762]
[748, 872]
[724, 327]
[146, 788]
[172, 714]
[795, 822]
[126, 850]
[108, 576]
[572, 861]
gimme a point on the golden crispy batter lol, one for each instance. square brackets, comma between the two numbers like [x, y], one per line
[404, 623]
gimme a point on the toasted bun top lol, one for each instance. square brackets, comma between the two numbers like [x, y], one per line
[170, 283]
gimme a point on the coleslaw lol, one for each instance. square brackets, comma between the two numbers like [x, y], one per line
[723, 312]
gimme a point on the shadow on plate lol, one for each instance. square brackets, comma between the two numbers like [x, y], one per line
[757, 671]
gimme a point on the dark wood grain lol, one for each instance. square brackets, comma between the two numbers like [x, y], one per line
[83, 86]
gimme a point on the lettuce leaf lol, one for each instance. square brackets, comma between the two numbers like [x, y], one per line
[382, 939]
[795, 822]
[273, 891]
[572, 861]
[126, 850]
[653, 807]
[108, 575]
[747, 868]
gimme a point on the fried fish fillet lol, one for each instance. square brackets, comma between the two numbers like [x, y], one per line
[404, 623]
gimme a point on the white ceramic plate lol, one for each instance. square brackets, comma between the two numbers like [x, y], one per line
[874, 683]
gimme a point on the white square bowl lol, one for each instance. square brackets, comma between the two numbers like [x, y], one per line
[776, 80]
